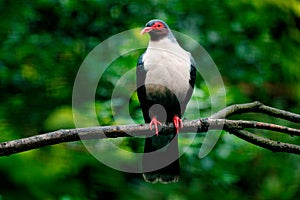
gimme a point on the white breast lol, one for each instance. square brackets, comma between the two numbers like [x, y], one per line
[169, 65]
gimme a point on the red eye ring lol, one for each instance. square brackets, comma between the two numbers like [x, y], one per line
[158, 26]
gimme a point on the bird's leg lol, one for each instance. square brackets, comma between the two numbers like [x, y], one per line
[177, 123]
[154, 122]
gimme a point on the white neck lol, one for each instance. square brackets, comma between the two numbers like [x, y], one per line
[167, 45]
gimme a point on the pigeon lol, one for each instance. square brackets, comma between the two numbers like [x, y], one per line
[166, 75]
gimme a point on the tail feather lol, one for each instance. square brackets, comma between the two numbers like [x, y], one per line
[162, 165]
[164, 175]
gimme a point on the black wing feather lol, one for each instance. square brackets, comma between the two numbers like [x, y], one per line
[141, 90]
[191, 81]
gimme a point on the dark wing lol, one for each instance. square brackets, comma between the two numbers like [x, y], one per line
[192, 72]
[141, 90]
[191, 81]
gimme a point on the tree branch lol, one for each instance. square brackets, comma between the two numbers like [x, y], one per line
[215, 122]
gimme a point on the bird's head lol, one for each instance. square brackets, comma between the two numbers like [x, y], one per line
[157, 30]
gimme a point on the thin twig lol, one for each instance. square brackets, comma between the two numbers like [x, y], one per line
[242, 124]
[275, 112]
[236, 109]
[266, 143]
[256, 107]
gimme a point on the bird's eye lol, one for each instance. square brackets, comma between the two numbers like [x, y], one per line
[158, 26]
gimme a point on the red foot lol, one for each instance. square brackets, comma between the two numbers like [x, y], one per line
[177, 123]
[154, 122]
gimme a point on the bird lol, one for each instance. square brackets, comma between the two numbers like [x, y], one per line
[165, 78]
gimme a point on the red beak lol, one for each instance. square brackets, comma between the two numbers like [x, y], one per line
[146, 30]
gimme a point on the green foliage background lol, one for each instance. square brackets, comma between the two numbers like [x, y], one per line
[254, 43]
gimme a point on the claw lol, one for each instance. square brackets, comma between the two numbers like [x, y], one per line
[177, 123]
[154, 122]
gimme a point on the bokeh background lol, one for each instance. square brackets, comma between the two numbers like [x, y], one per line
[254, 43]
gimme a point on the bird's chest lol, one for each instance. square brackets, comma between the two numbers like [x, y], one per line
[166, 71]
